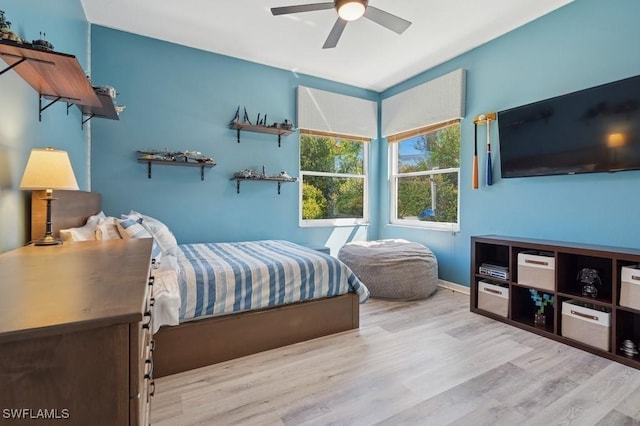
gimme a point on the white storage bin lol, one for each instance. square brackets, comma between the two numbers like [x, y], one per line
[587, 323]
[630, 287]
[537, 271]
[493, 298]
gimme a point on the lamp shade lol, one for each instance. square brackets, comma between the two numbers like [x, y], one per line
[48, 168]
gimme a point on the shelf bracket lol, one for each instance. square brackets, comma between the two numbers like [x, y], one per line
[237, 186]
[279, 183]
[13, 66]
[41, 108]
[202, 173]
[238, 135]
[69, 105]
[84, 121]
[279, 147]
[148, 169]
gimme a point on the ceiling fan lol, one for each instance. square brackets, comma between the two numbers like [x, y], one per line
[348, 10]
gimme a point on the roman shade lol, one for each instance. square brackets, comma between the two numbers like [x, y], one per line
[329, 112]
[436, 101]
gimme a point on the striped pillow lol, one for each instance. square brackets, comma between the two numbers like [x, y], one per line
[130, 228]
[161, 233]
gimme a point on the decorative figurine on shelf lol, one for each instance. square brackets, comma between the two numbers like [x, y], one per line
[541, 301]
[629, 348]
[236, 116]
[42, 44]
[286, 125]
[182, 156]
[247, 174]
[590, 281]
[106, 90]
[5, 30]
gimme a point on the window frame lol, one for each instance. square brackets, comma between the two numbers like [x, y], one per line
[364, 220]
[394, 175]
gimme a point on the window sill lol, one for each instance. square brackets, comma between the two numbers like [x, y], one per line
[428, 226]
[332, 223]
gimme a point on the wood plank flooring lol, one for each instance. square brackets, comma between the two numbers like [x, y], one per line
[429, 362]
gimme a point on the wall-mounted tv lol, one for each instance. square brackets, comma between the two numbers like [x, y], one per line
[592, 130]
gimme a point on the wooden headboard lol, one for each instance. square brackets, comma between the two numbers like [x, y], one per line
[69, 209]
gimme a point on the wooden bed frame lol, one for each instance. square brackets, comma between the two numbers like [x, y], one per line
[211, 340]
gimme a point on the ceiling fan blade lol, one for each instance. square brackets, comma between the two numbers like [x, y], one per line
[301, 8]
[334, 35]
[387, 20]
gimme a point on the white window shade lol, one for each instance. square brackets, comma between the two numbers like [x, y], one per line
[334, 113]
[432, 102]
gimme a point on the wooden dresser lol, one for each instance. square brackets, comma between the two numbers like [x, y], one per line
[75, 343]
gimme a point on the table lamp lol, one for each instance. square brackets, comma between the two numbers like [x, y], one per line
[48, 169]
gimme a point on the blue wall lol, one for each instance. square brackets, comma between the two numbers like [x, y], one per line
[584, 44]
[183, 99]
[67, 29]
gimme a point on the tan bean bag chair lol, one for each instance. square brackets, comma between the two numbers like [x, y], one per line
[393, 269]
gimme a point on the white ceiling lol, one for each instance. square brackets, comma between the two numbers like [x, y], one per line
[367, 55]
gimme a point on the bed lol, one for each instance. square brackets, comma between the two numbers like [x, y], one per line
[213, 328]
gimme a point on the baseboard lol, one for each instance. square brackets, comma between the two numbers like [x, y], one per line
[453, 287]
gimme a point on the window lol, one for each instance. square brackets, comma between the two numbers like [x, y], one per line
[425, 175]
[333, 179]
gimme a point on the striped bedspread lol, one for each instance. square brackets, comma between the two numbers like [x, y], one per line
[223, 278]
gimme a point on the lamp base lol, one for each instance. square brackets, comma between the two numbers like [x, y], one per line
[48, 240]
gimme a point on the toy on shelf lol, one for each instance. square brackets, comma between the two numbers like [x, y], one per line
[252, 174]
[176, 158]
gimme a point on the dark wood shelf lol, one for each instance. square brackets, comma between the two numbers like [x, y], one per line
[570, 258]
[263, 179]
[493, 279]
[55, 76]
[150, 161]
[529, 325]
[106, 110]
[580, 298]
[248, 127]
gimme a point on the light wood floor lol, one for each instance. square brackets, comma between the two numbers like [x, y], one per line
[430, 362]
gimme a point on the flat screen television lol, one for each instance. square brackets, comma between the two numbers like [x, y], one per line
[589, 131]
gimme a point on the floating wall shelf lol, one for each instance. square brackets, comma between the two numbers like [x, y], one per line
[55, 76]
[107, 109]
[175, 163]
[264, 179]
[239, 125]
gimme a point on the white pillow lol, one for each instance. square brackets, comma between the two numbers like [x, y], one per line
[83, 233]
[107, 229]
[161, 233]
[96, 218]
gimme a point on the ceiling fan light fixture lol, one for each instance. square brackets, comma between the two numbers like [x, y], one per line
[350, 10]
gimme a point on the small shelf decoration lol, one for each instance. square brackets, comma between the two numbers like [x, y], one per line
[284, 128]
[175, 158]
[541, 301]
[251, 174]
[107, 109]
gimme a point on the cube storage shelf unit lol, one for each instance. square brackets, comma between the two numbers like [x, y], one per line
[565, 260]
